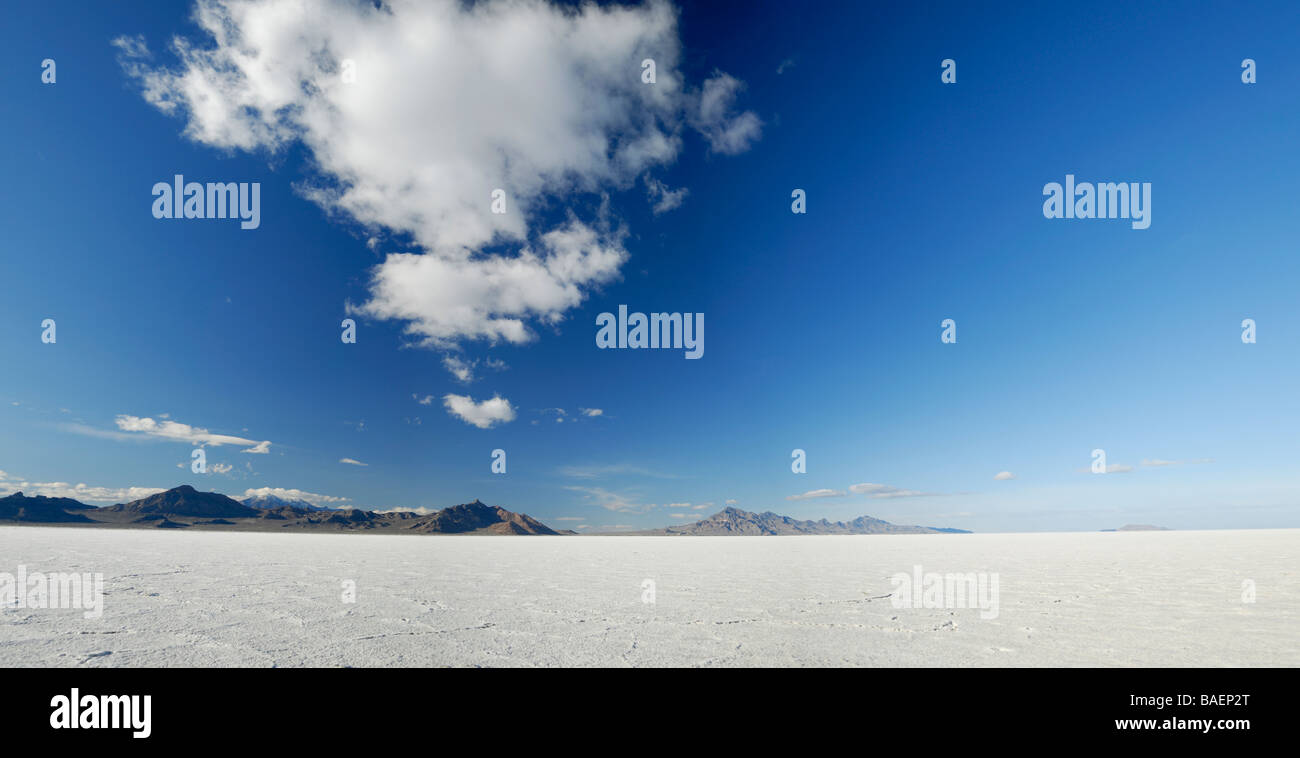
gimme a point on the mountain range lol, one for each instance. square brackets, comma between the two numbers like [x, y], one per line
[184, 507]
[734, 521]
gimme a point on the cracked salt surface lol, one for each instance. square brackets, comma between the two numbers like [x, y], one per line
[239, 599]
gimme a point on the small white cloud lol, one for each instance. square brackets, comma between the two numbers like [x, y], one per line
[421, 511]
[461, 369]
[591, 411]
[559, 414]
[664, 198]
[1003, 476]
[426, 400]
[727, 133]
[352, 462]
[484, 415]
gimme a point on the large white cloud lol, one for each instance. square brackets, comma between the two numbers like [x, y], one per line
[443, 298]
[451, 101]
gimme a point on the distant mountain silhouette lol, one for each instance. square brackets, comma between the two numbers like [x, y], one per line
[1139, 528]
[734, 521]
[41, 509]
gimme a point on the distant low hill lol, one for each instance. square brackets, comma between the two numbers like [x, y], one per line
[734, 521]
[1139, 528]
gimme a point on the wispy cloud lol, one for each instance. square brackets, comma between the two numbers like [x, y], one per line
[664, 198]
[612, 501]
[107, 434]
[146, 428]
[1113, 468]
[869, 489]
[609, 470]
[464, 369]
[460, 368]
[1193, 462]
[886, 491]
[727, 132]
[814, 494]
[352, 462]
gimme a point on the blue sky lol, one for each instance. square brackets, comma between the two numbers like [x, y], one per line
[822, 329]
